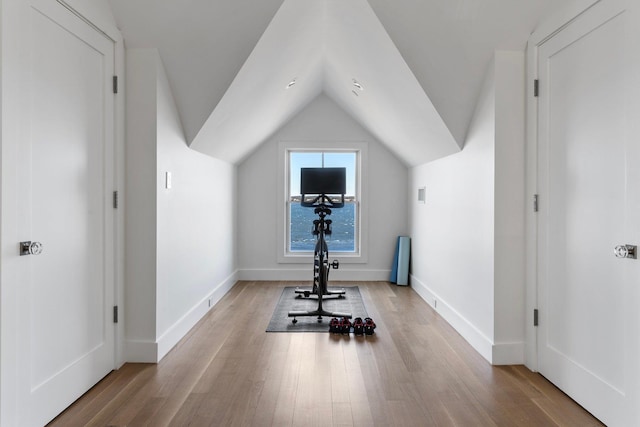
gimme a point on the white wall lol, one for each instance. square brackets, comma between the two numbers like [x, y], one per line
[196, 226]
[140, 203]
[452, 232]
[321, 121]
[468, 238]
[509, 262]
[180, 241]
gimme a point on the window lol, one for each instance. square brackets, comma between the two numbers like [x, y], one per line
[349, 224]
[344, 220]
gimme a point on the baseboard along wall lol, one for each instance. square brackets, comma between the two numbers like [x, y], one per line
[511, 353]
[138, 351]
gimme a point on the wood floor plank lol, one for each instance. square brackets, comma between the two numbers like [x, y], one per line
[106, 393]
[415, 371]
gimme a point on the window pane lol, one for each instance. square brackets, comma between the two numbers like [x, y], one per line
[299, 160]
[301, 227]
[343, 238]
[344, 160]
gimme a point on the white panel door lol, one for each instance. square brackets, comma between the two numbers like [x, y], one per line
[589, 157]
[66, 339]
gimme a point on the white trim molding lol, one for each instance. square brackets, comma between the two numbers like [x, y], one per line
[284, 147]
[306, 274]
[153, 352]
[479, 341]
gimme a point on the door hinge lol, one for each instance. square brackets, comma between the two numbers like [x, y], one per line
[115, 84]
[535, 203]
[535, 317]
[115, 200]
[536, 87]
[115, 314]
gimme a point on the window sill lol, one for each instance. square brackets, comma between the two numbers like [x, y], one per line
[307, 258]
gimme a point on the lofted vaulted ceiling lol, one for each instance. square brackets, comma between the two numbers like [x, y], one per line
[409, 71]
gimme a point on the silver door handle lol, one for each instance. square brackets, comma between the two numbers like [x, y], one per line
[625, 251]
[30, 248]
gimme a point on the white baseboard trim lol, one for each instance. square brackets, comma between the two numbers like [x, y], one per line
[480, 342]
[141, 351]
[153, 352]
[350, 275]
[510, 353]
[179, 329]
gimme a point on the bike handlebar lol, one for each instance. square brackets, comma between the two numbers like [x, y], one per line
[322, 200]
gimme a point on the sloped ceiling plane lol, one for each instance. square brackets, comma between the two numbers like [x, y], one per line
[409, 71]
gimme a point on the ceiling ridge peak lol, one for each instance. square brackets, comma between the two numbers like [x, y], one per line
[324, 24]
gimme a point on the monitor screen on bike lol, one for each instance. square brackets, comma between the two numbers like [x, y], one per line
[323, 181]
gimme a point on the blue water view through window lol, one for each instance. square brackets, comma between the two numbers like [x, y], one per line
[344, 220]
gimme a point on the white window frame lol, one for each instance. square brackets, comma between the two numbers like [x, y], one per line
[285, 256]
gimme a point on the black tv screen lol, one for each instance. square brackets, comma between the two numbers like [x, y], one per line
[323, 180]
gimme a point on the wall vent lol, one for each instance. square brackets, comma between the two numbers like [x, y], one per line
[422, 194]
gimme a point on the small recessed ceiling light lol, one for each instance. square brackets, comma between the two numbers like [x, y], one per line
[291, 83]
[357, 85]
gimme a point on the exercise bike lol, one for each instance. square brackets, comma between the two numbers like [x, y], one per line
[322, 228]
[323, 182]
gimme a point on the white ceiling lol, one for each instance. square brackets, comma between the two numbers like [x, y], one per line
[421, 64]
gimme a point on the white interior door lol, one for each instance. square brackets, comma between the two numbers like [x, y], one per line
[66, 340]
[589, 333]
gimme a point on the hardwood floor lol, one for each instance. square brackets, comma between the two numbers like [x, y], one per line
[415, 371]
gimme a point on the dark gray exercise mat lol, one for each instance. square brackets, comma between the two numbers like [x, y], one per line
[281, 322]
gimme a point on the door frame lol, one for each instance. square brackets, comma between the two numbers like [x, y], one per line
[13, 116]
[545, 31]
